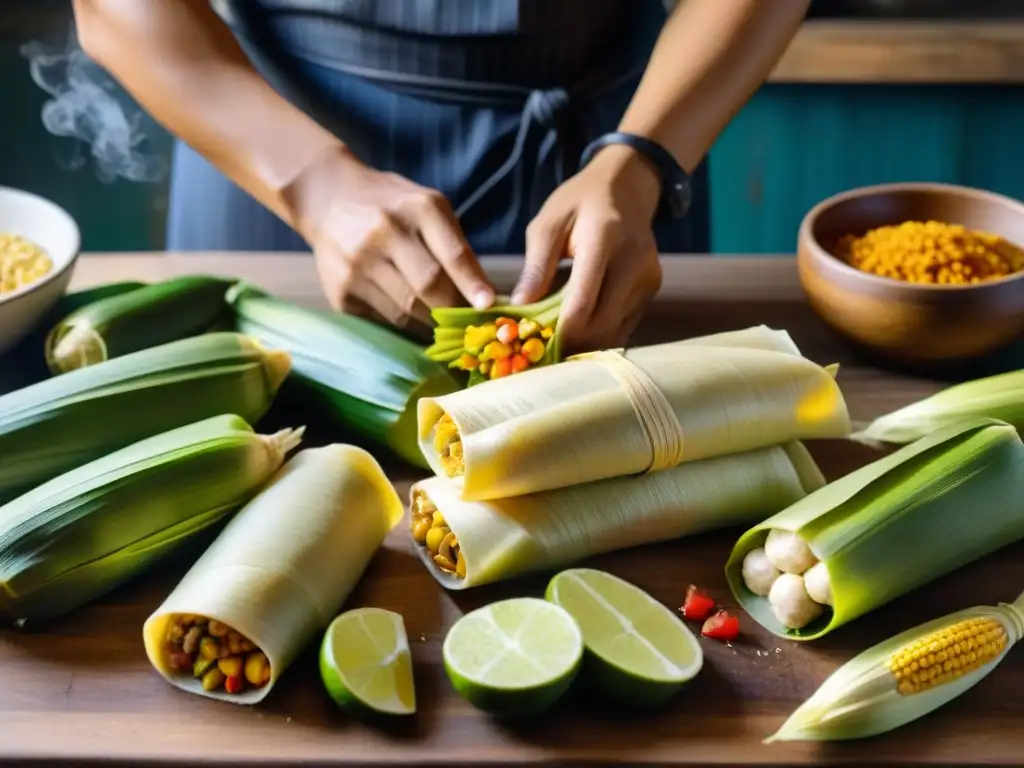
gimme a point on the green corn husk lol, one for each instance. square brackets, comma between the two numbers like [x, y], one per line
[147, 317]
[449, 334]
[81, 534]
[995, 397]
[922, 512]
[25, 364]
[862, 699]
[367, 377]
[53, 426]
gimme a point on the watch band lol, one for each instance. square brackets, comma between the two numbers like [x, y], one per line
[676, 192]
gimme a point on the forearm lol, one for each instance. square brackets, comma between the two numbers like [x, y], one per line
[710, 58]
[182, 64]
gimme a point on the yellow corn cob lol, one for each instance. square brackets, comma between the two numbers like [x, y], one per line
[907, 676]
[82, 533]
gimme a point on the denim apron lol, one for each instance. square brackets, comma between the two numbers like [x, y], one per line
[488, 101]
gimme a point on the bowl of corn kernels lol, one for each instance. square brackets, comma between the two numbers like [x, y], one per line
[39, 245]
[920, 273]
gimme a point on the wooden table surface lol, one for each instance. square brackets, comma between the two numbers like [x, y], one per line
[81, 689]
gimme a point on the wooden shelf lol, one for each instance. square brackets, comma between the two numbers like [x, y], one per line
[890, 51]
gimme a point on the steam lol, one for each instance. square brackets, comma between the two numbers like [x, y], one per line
[90, 107]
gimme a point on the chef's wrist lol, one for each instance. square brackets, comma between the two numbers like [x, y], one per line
[310, 195]
[622, 164]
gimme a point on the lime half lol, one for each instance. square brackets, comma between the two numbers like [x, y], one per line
[638, 652]
[513, 658]
[365, 663]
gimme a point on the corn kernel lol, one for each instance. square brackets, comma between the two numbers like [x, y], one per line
[213, 679]
[947, 655]
[231, 666]
[534, 350]
[209, 648]
[257, 669]
[217, 628]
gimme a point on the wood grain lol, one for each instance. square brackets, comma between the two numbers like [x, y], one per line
[896, 51]
[81, 688]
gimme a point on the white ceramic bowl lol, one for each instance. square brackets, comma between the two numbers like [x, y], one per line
[51, 228]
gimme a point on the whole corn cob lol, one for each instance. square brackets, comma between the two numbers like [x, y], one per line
[872, 536]
[147, 317]
[500, 341]
[53, 426]
[365, 376]
[995, 397]
[907, 676]
[79, 535]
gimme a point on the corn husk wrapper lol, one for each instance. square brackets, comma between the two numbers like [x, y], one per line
[994, 397]
[281, 569]
[504, 538]
[575, 422]
[900, 522]
[860, 699]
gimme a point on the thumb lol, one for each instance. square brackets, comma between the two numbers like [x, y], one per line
[546, 241]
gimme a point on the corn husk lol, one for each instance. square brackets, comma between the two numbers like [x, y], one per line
[922, 512]
[152, 315]
[995, 397]
[574, 422]
[503, 538]
[363, 376]
[860, 699]
[281, 569]
[452, 322]
[65, 421]
[83, 533]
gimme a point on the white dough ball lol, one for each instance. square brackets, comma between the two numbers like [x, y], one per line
[788, 551]
[758, 572]
[791, 604]
[818, 584]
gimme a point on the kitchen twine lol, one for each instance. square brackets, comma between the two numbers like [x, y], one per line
[661, 428]
[1016, 617]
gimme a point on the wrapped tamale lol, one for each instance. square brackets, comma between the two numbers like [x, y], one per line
[468, 543]
[615, 413]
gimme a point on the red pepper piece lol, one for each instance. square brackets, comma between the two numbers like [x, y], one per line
[697, 606]
[722, 626]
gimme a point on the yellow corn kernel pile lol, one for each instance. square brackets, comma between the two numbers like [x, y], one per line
[947, 654]
[448, 444]
[504, 347]
[430, 529]
[932, 252]
[215, 654]
[21, 262]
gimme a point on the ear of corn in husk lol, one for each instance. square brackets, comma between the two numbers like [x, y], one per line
[500, 341]
[468, 543]
[584, 420]
[53, 426]
[995, 397]
[282, 567]
[876, 534]
[79, 535]
[908, 676]
[28, 357]
[365, 376]
[152, 315]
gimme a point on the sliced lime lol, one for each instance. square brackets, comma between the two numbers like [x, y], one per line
[513, 658]
[638, 652]
[365, 663]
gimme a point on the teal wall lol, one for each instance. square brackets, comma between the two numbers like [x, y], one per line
[115, 216]
[794, 145]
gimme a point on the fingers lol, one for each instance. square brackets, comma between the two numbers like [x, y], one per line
[546, 241]
[387, 290]
[592, 252]
[442, 235]
[422, 273]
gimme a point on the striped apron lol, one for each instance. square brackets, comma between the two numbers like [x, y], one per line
[488, 101]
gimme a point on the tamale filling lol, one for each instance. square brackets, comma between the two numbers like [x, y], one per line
[431, 531]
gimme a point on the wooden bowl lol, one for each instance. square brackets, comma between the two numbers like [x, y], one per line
[909, 322]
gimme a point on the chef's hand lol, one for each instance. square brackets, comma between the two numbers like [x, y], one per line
[601, 218]
[385, 247]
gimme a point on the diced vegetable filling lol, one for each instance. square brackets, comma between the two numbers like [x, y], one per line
[787, 572]
[504, 347]
[215, 654]
[430, 530]
[448, 445]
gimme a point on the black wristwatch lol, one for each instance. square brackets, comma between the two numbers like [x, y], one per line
[676, 193]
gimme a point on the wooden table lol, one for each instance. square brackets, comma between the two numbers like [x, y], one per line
[83, 690]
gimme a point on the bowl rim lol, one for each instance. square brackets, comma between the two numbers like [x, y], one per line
[54, 274]
[806, 228]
